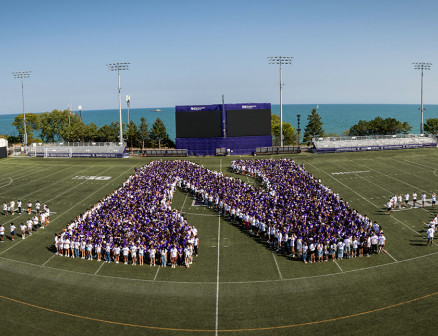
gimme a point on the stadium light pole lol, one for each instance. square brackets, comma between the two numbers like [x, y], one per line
[280, 60]
[22, 75]
[298, 128]
[422, 66]
[128, 102]
[119, 67]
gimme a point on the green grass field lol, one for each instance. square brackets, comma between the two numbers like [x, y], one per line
[237, 285]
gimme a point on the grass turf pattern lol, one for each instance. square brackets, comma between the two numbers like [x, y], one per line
[254, 288]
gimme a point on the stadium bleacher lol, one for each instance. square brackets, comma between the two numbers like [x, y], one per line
[372, 143]
[75, 149]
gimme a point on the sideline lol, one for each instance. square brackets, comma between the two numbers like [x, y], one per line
[221, 330]
[226, 282]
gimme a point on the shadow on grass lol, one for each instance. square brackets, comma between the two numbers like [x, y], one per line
[51, 248]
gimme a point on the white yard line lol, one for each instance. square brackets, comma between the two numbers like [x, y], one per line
[13, 245]
[77, 185]
[217, 276]
[103, 263]
[48, 260]
[338, 265]
[276, 264]
[155, 277]
[36, 172]
[394, 178]
[391, 256]
[185, 199]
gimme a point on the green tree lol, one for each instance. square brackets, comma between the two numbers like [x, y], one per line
[132, 135]
[109, 133]
[158, 135]
[289, 133]
[91, 132]
[313, 128]
[75, 129]
[143, 132]
[431, 126]
[52, 125]
[31, 125]
[379, 126]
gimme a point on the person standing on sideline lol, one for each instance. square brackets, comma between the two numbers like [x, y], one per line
[163, 253]
[23, 230]
[433, 200]
[389, 207]
[5, 209]
[414, 199]
[430, 232]
[173, 256]
[195, 245]
[423, 199]
[37, 207]
[12, 228]
[152, 252]
[29, 208]
[12, 207]
[2, 233]
[19, 204]
[29, 224]
[382, 240]
[406, 200]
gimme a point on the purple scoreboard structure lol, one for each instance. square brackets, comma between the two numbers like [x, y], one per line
[237, 128]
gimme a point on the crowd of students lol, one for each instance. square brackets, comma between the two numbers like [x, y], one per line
[134, 224]
[295, 212]
[305, 218]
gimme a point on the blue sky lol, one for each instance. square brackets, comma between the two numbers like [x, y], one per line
[192, 52]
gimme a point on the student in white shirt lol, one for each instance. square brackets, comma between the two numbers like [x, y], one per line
[173, 256]
[430, 233]
[152, 252]
[23, 230]
[2, 233]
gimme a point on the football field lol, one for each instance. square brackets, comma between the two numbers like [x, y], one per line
[237, 285]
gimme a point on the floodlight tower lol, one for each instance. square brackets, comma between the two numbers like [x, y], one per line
[280, 60]
[22, 75]
[119, 67]
[128, 102]
[422, 66]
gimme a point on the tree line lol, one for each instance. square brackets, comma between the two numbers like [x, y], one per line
[63, 125]
[66, 126]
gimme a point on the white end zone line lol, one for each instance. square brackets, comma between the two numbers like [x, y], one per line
[217, 277]
[227, 282]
